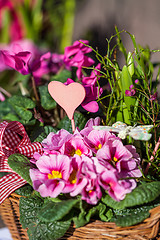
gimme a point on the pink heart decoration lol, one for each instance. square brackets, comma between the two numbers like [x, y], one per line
[69, 97]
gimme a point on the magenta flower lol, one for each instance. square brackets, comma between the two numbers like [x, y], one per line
[15, 30]
[96, 139]
[153, 97]
[89, 126]
[79, 164]
[93, 78]
[75, 56]
[54, 141]
[2, 97]
[51, 174]
[131, 91]
[92, 94]
[91, 193]
[76, 182]
[76, 146]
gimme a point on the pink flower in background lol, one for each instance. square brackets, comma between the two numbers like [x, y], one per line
[75, 56]
[2, 97]
[153, 97]
[16, 29]
[93, 78]
[92, 94]
[18, 61]
[131, 91]
[50, 176]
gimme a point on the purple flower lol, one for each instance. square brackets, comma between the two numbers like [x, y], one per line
[75, 56]
[93, 78]
[130, 92]
[153, 97]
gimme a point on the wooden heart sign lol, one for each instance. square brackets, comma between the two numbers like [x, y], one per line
[69, 97]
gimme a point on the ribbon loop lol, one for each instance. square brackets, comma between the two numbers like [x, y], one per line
[13, 139]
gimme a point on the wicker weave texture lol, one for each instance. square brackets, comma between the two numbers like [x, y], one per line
[98, 230]
[9, 211]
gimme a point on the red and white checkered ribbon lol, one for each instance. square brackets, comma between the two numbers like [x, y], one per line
[13, 139]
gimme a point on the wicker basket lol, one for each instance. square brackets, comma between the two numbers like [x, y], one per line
[98, 230]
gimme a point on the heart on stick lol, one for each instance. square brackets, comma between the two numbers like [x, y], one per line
[69, 97]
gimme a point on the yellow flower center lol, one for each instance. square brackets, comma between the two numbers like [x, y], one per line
[78, 152]
[72, 177]
[115, 159]
[98, 147]
[55, 174]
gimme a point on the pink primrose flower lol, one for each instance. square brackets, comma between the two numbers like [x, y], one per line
[75, 56]
[96, 139]
[51, 174]
[76, 146]
[91, 193]
[89, 126]
[54, 141]
[76, 182]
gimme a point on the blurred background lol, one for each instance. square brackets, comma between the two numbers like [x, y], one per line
[55, 24]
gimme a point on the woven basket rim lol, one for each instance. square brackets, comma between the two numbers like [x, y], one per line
[148, 229]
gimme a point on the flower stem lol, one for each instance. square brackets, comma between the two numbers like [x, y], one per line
[152, 157]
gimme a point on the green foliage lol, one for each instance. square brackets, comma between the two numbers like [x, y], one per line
[144, 193]
[25, 190]
[79, 119]
[54, 211]
[62, 76]
[37, 229]
[21, 106]
[42, 133]
[21, 165]
[131, 216]
[47, 101]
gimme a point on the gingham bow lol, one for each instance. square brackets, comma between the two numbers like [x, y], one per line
[13, 139]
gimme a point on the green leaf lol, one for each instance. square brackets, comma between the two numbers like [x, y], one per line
[47, 101]
[28, 209]
[144, 193]
[62, 76]
[131, 216]
[80, 121]
[53, 211]
[130, 64]
[44, 131]
[21, 105]
[21, 165]
[25, 190]
[22, 102]
[51, 231]
[37, 229]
